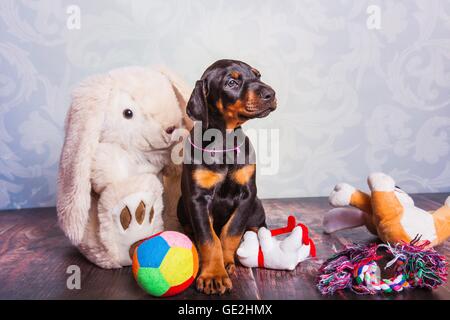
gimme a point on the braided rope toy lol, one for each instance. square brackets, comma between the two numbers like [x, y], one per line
[355, 268]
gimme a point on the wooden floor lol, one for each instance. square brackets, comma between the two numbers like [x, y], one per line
[34, 256]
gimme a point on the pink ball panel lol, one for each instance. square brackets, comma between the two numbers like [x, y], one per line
[176, 239]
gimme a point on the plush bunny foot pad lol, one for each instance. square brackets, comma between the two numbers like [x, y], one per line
[133, 221]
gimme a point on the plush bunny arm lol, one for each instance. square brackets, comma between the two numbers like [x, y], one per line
[112, 164]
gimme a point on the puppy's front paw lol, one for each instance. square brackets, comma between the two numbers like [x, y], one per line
[381, 182]
[214, 282]
[230, 267]
[341, 195]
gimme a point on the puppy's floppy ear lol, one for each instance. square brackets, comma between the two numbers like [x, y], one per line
[256, 72]
[197, 107]
[83, 128]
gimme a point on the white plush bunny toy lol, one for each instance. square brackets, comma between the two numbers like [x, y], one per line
[264, 250]
[120, 130]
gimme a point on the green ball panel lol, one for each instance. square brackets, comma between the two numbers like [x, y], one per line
[152, 281]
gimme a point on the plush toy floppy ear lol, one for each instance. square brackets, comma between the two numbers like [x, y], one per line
[181, 90]
[83, 125]
[197, 107]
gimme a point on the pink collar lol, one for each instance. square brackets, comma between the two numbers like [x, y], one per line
[212, 151]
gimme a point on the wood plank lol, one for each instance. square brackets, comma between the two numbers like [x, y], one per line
[34, 255]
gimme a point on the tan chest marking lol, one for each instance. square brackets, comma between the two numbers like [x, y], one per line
[244, 174]
[206, 178]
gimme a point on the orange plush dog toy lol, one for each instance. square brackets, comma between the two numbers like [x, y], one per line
[387, 212]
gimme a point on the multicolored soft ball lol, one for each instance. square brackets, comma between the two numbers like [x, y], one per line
[165, 264]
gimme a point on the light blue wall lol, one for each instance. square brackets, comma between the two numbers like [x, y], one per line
[351, 100]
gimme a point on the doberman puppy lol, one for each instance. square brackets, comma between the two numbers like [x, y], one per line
[219, 202]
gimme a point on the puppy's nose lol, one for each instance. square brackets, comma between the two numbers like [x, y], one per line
[171, 129]
[267, 94]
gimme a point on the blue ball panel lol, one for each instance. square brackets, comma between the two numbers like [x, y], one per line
[151, 252]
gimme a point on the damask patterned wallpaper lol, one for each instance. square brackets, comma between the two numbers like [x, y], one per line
[352, 98]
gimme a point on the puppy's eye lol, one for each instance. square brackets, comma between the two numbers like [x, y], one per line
[127, 114]
[232, 83]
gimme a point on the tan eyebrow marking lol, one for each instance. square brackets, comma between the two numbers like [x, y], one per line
[235, 75]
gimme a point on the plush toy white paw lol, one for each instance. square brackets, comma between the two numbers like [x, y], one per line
[248, 250]
[341, 195]
[381, 182]
[265, 250]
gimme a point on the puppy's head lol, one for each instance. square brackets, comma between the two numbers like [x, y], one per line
[228, 94]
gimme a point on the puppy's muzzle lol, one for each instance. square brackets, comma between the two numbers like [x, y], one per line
[265, 104]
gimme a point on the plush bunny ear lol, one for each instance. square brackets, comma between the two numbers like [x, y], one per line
[182, 92]
[83, 125]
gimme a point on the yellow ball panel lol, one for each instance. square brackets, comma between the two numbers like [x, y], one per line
[177, 266]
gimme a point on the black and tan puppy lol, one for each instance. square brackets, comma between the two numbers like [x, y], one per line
[219, 201]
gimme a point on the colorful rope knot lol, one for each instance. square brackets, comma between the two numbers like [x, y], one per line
[356, 268]
[368, 275]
